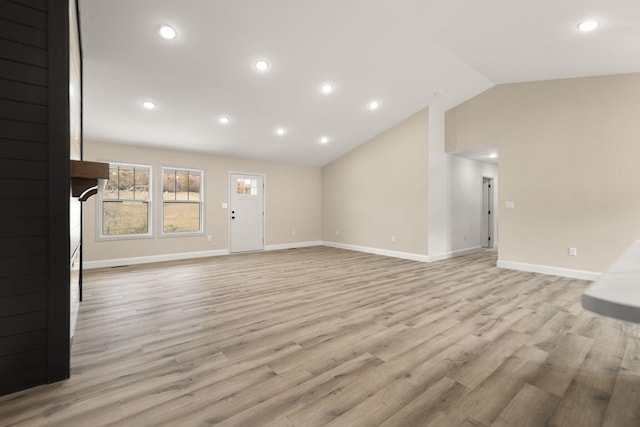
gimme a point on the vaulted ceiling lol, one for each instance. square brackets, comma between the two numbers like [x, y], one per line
[405, 54]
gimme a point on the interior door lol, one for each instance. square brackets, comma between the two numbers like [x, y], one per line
[246, 213]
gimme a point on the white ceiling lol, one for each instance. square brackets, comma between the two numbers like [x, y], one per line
[409, 54]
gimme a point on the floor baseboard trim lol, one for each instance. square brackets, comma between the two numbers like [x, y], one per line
[453, 254]
[510, 265]
[119, 262]
[554, 271]
[292, 246]
[376, 251]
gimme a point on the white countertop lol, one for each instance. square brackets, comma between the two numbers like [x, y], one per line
[617, 292]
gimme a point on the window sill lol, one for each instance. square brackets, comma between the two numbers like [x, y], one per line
[185, 234]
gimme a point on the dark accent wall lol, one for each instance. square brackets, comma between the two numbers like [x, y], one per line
[34, 193]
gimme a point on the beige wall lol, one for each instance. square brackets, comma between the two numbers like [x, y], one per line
[569, 152]
[293, 199]
[379, 190]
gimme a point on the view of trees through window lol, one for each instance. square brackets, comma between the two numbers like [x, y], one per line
[125, 201]
[181, 201]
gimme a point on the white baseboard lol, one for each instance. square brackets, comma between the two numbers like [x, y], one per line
[376, 251]
[119, 262]
[292, 246]
[555, 271]
[453, 254]
[511, 265]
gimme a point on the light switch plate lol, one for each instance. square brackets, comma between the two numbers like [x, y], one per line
[510, 204]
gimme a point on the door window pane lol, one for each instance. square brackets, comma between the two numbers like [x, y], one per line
[247, 186]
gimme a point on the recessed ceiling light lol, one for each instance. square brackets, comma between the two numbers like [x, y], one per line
[327, 88]
[324, 140]
[224, 120]
[374, 105]
[261, 65]
[280, 131]
[586, 26]
[148, 105]
[167, 32]
[493, 156]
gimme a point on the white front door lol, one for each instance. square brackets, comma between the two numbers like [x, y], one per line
[246, 213]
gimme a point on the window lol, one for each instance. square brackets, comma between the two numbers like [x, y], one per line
[247, 186]
[125, 202]
[182, 201]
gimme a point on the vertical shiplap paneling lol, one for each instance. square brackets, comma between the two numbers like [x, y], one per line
[59, 193]
[24, 193]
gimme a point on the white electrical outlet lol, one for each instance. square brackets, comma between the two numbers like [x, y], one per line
[337, 232]
[393, 238]
[573, 251]
[293, 232]
[209, 238]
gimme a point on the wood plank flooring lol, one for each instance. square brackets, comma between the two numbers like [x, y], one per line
[327, 337]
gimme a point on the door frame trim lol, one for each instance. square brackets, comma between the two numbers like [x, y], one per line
[264, 207]
[490, 217]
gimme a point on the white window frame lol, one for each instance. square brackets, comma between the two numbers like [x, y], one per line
[150, 208]
[161, 231]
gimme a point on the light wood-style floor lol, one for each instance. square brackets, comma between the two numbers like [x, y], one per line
[327, 337]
